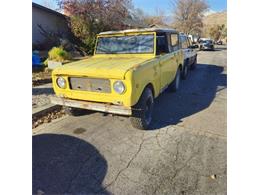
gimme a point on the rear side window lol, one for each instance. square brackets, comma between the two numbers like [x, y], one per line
[162, 44]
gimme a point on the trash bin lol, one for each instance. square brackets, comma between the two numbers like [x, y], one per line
[36, 60]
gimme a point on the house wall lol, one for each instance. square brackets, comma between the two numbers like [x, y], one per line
[51, 22]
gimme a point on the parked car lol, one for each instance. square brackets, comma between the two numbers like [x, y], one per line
[128, 71]
[194, 40]
[206, 45]
[190, 54]
[219, 42]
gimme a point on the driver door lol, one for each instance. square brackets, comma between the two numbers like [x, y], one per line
[167, 61]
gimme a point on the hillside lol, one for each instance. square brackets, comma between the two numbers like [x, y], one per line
[216, 18]
[213, 19]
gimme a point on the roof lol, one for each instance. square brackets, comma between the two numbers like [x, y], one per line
[47, 9]
[154, 25]
[139, 30]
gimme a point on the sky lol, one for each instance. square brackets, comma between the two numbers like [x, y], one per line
[150, 6]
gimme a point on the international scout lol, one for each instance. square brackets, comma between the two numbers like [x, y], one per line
[128, 70]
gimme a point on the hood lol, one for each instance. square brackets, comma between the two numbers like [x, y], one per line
[101, 67]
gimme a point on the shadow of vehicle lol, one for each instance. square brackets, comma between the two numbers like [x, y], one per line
[210, 50]
[64, 164]
[196, 93]
[216, 48]
[220, 48]
[40, 91]
[41, 82]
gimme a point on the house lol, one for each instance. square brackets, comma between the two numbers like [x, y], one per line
[48, 20]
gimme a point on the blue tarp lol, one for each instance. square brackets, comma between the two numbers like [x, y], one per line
[36, 60]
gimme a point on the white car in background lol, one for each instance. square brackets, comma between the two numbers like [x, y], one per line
[190, 54]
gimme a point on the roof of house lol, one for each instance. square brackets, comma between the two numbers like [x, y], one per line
[139, 30]
[47, 9]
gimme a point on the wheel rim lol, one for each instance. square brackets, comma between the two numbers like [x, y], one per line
[148, 111]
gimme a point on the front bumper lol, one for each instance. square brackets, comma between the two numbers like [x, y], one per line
[102, 107]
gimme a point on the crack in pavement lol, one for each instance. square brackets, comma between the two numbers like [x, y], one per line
[128, 164]
[157, 139]
[187, 161]
[130, 161]
[176, 155]
[176, 159]
[204, 131]
[168, 128]
[125, 176]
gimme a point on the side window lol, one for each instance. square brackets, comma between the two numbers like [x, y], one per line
[162, 44]
[174, 42]
[188, 42]
[184, 43]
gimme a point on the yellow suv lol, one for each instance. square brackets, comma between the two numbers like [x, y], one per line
[127, 71]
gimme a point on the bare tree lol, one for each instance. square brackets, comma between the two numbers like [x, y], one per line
[157, 19]
[188, 15]
[217, 32]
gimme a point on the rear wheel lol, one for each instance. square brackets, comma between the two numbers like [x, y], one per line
[193, 66]
[184, 72]
[142, 112]
[174, 86]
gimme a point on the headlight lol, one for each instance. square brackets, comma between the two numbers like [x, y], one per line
[119, 87]
[61, 82]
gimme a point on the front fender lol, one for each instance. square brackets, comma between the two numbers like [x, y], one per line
[142, 76]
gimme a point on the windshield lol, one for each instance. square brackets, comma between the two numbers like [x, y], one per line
[130, 44]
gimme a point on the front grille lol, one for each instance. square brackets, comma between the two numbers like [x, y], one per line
[90, 84]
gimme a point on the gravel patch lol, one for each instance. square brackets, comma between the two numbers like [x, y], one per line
[36, 121]
[41, 95]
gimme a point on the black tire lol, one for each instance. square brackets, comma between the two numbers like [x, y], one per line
[174, 86]
[142, 112]
[75, 111]
[184, 72]
[194, 65]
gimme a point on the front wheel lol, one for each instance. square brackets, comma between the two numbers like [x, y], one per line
[142, 112]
